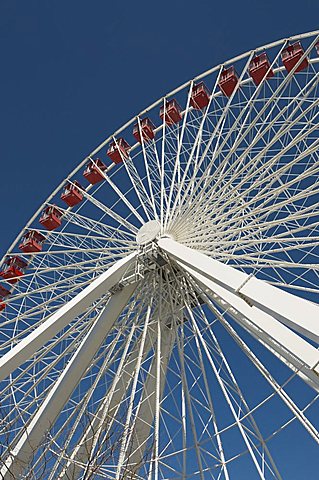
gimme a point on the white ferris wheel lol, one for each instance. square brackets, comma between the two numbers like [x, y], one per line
[159, 312]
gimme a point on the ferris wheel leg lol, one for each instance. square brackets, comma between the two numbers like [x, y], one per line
[285, 344]
[65, 315]
[297, 313]
[106, 413]
[137, 444]
[46, 415]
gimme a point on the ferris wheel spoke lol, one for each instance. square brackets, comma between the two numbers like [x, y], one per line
[292, 218]
[110, 212]
[268, 128]
[49, 445]
[44, 303]
[190, 412]
[278, 389]
[177, 166]
[83, 452]
[264, 191]
[248, 229]
[295, 352]
[211, 406]
[261, 182]
[63, 282]
[243, 431]
[125, 200]
[96, 226]
[79, 328]
[237, 388]
[216, 130]
[148, 409]
[263, 131]
[142, 194]
[147, 169]
[122, 463]
[156, 172]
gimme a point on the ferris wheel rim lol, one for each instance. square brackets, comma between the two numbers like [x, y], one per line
[144, 111]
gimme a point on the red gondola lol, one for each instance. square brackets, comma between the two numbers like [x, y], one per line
[173, 112]
[147, 129]
[13, 268]
[291, 55]
[200, 96]
[118, 150]
[4, 293]
[32, 242]
[72, 194]
[259, 68]
[51, 217]
[94, 171]
[228, 81]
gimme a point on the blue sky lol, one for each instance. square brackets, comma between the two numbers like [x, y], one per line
[73, 71]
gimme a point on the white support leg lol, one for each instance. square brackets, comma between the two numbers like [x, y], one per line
[58, 396]
[293, 350]
[107, 411]
[295, 312]
[147, 408]
[66, 314]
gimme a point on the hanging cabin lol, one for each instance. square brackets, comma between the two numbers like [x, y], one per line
[200, 96]
[51, 217]
[118, 150]
[147, 129]
[72, 194]
[94, 171]
[228, 81]
[13, 268]
[4, 293]
[259, 68]
[32, 241]
[173, 112]
[291, 55]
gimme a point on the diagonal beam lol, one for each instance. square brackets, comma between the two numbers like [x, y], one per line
[145, 414]
[293, 350]
[43, 420]
[106, 413]
[27, 347]
[295, 312]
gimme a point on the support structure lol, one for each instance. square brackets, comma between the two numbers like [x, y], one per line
[226, 285]
[58, 396]
[295, 312]
[65, 315]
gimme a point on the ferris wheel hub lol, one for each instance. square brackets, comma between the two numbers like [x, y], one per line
[148, 232]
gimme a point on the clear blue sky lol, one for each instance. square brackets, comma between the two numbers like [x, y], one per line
[73, 71]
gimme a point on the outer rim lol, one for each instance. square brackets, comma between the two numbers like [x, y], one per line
[142, 112]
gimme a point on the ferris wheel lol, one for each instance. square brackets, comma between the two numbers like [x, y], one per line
[159, 312]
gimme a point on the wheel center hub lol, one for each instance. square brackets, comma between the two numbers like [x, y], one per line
[148, 232]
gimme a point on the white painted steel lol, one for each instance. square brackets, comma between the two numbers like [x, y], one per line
[296, 312]
[63, 388]
[298, 354]
[106, 414]
[150, 401]
[50, 327]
